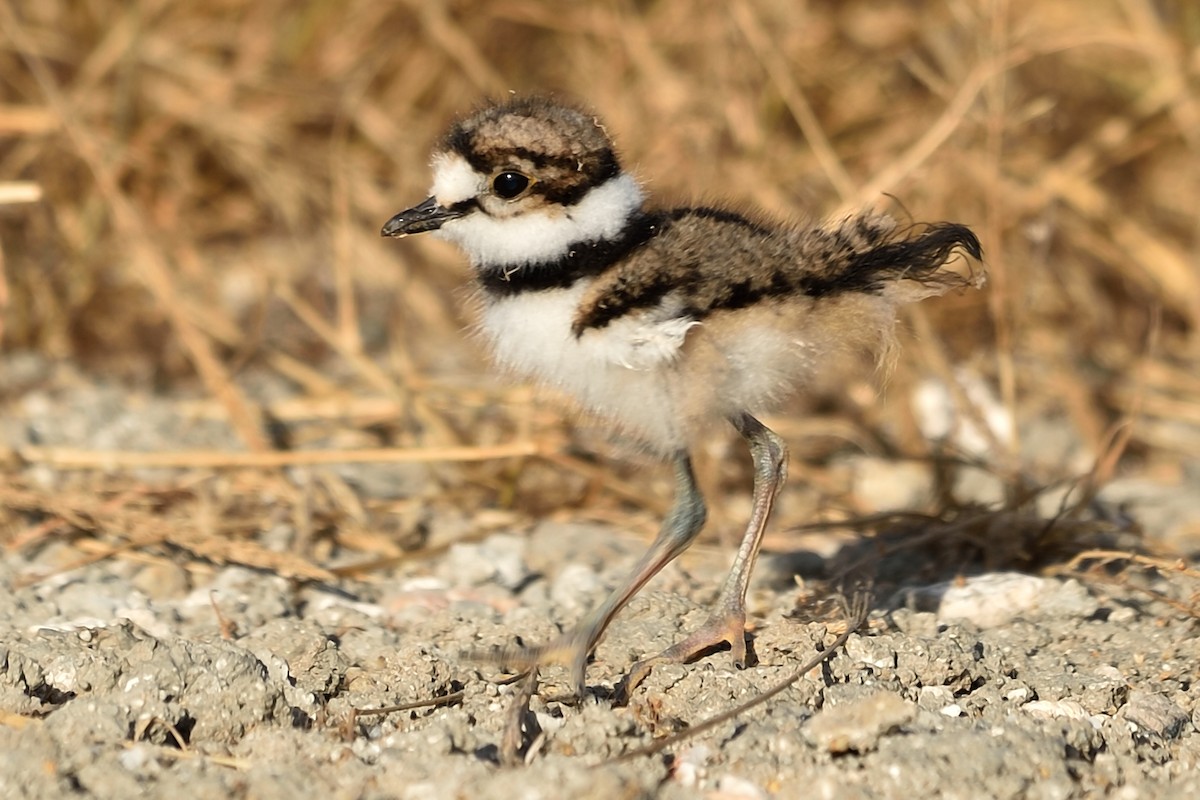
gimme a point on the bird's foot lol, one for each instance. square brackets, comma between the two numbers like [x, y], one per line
[571, 650]
[727, 626]
[522, 734]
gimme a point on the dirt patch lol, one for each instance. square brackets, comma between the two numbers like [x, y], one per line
[135, 676]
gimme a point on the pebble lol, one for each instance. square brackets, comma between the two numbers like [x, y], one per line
[935, 698]
[939, 420]
[871, 651]
[1170, 513]
[1155, 713]
[881, 485]
[691, 766]
[162, 580]
[997, 598]
[499, 559]
[575, 587]
[731, 787]
[1056, 709]
[858, 725]
[1017, 695]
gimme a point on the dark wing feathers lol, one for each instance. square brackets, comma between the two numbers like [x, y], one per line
[711, 260]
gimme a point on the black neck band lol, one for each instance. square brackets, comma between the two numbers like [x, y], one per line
[582, 260]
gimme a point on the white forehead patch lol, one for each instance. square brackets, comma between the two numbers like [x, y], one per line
[454, 180]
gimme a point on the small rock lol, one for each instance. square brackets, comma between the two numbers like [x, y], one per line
[939, 418]
[1103, 695]
[498, 559]
[883, 484]
[162, 580]
[995, 599]
[310, 657]
[1122, 615]
[1056, 709]
[871, 651]
[1155, 713]
[1168, 512]
[935, 698]
[731, 787]
[978, 485]
[858, 725]
[575, 587]
[1018, 695]
[691, 765]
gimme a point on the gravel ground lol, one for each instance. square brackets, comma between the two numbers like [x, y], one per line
[140, 676]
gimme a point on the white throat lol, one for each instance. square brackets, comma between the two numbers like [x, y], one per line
[542, 235]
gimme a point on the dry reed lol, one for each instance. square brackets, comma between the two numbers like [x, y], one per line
[194, 190]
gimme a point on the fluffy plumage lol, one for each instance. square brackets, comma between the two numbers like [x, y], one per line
[664, 321]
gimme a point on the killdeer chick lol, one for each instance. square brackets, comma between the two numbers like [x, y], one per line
[665, 321]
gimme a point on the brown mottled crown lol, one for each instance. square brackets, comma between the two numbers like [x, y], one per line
[565, 148]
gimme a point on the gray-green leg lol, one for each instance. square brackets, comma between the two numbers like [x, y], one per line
[572, 649]
[728, 621]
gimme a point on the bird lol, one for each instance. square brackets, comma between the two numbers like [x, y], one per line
[663, 321]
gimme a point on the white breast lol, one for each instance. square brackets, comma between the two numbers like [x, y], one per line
[625, 371]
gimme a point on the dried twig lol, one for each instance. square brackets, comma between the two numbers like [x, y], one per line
[855, 610]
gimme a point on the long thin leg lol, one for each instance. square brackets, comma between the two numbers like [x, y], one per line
[728, 621]
[683, 522]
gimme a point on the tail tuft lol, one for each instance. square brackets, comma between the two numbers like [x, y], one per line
[868, 253]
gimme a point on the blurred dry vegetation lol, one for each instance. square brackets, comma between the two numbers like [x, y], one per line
[212, 179]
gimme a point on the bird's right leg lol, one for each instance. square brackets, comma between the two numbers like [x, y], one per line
[680, 527]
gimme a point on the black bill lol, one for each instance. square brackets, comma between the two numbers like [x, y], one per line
[428, 216]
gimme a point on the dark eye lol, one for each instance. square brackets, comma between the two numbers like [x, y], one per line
[509, 184]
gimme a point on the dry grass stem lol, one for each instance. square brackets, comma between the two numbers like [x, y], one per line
[192, 195]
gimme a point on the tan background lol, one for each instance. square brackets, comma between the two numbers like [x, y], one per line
[213, 177]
